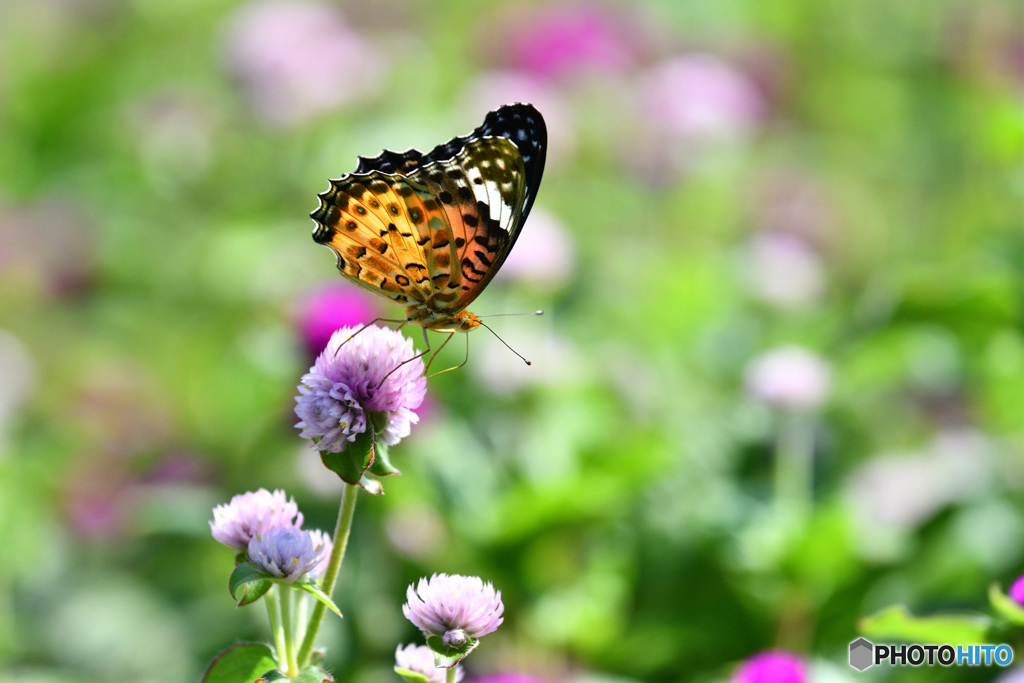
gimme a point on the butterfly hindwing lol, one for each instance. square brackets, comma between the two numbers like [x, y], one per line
[390, 235]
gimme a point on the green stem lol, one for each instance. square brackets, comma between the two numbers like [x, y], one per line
[450, 676]
[277, 627]
[794, 466]
[288, 621]
[341, 531]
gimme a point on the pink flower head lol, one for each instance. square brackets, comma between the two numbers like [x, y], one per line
[771, 667]
[286, 552]
[790, 377]
[420, 659]
[454, 608]
[1017, 591]
[700, 97]
[544, 254]
[329, 308]
[559, 41]
[374, 371]
[250, 513]
[294, 60]
[784, 269]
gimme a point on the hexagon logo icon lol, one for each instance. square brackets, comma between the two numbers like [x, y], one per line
[861, 654]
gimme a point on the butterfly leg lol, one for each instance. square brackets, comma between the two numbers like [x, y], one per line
[437, 351]
[402, 324]
[464, 360]
[407, 360]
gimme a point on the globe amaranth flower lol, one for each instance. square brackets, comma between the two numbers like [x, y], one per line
[454, 608]
[323, 540]
[771, 667]
[1016, 592]
[250, 513]
[420, 659]
[374, 371]
[286, 552]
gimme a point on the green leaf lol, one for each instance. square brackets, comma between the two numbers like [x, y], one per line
[896, 623]
[446, 657]
[241, 663]
[248, 583]
[1005, 606]
[272, 677]
[313, 590]
[412, 676]
[351, 463]
[381, 466]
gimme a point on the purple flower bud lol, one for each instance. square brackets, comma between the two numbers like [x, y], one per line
[1017, 591]
[771, 667]
[454, 607]
[286, 552]
[248, 514]
[420, 659]
[358, 374]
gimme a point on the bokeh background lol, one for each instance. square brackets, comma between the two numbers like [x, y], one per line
[778, 385]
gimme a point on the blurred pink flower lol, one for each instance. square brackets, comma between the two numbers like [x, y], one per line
[904, 490]
[1016, 591]
[699, 97]
[330, 308]
[783, 269]
[179, 467]
[771, 667]
[295, 60]
[789, 377]
[555, 41]
[99, 509]
[543, 253]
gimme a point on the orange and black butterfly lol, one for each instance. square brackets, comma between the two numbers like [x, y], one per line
[429, 231]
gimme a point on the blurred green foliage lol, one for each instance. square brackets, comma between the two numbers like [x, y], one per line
[155, 256]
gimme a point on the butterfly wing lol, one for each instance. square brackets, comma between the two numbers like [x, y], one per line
[472, 193]
[482, 190]
[391, 236]
[520, 123]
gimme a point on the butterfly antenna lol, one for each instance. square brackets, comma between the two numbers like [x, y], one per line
[506, 343]
[503, 315]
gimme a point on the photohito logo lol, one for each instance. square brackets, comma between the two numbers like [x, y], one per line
[865, 654]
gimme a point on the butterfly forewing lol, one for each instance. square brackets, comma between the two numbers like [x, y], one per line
[482, 190]
[391, 236]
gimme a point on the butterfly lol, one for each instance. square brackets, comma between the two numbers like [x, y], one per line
[430, 231]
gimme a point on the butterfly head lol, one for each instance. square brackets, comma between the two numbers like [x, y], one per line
[441, 321]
